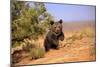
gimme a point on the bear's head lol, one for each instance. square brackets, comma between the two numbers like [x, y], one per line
[56, 27]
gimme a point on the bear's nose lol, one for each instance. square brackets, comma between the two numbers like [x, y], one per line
[58, 29]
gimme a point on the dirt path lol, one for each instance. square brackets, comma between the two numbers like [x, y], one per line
[80, 51]
[64, 56]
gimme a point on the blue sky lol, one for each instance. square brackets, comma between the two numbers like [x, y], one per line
[71, 12]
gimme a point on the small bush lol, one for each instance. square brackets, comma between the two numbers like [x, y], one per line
[28, 47]
[16, 43]
[73, 38]
[37, 52]
[89, 32]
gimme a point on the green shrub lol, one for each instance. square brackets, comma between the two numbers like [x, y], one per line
[37, 52]
[28, 47]
[16, 43]
[25, 20]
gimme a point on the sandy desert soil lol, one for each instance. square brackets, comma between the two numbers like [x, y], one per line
[77, 46]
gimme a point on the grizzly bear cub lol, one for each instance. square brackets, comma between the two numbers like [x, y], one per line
[54, 35]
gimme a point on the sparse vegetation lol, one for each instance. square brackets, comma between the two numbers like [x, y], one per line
[37, 52]
[88, 32]
[75, 36]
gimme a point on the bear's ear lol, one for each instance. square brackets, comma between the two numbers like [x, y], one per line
[51, 22]
[60, 21]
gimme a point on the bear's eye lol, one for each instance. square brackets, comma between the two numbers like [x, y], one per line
[58, 26]
[54, 27]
